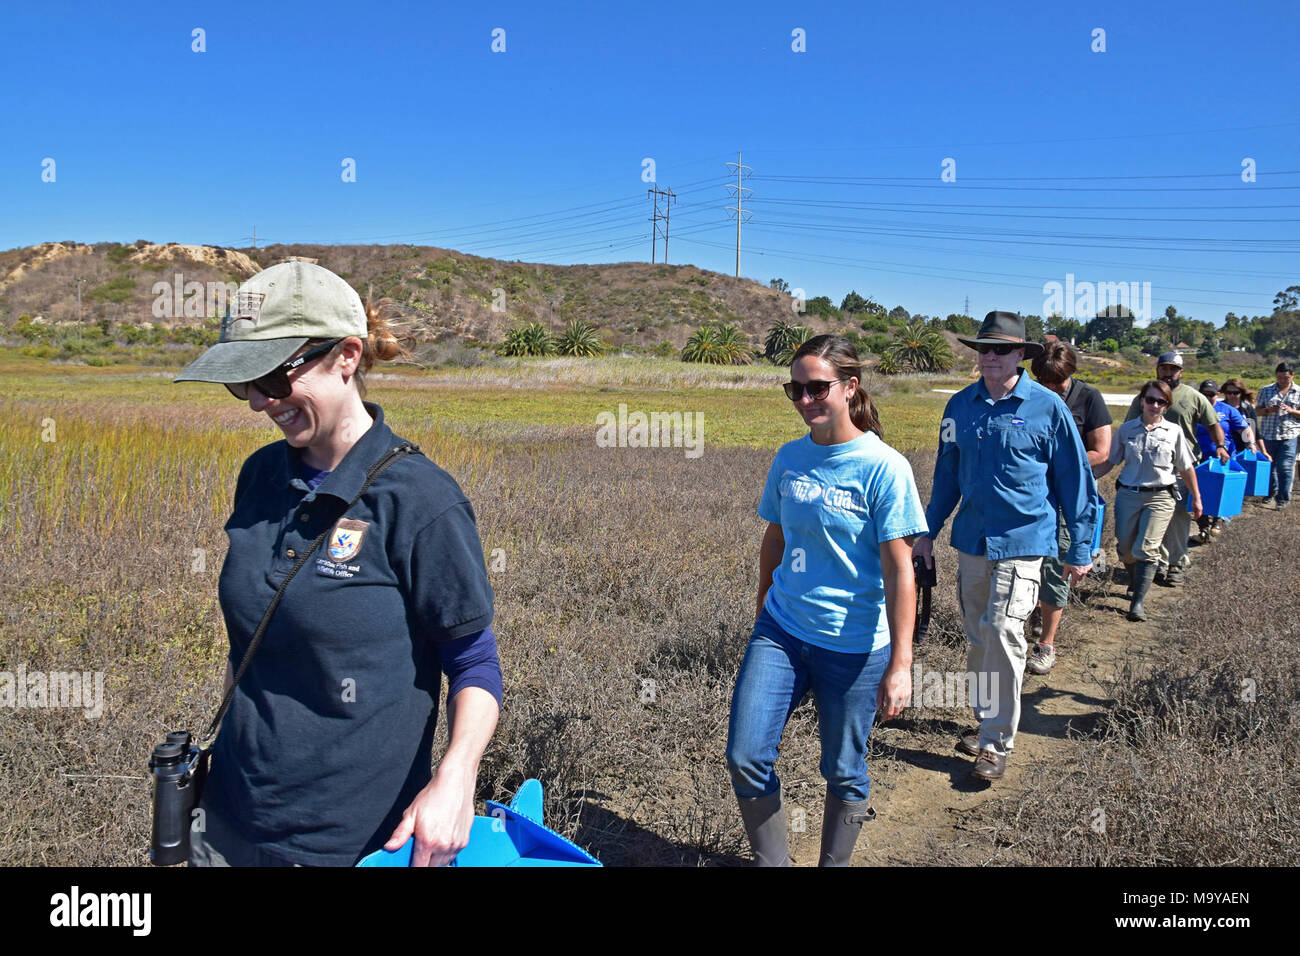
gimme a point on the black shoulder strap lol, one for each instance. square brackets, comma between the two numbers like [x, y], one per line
[401, 451]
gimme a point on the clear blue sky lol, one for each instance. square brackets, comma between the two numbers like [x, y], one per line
[1123, 165]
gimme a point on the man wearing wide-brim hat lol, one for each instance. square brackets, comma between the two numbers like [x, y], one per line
[1010, 454]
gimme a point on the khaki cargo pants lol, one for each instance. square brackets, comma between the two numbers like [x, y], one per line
[996, 599]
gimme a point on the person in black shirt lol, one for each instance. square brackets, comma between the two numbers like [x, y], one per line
[1055, 369]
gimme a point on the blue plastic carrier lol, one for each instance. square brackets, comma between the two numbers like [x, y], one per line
[1101, 520]
[508, 836]
[1223, 488]
[1258, 468]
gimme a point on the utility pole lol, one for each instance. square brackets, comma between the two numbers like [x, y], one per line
[965, 309]
[79, 281]
[739, 210]
[669, 198]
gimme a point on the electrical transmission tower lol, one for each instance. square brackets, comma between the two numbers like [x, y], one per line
[738, 210]
[669, 198]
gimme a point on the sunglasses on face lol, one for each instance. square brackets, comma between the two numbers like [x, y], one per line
[276, 384]
[816, 390]
[997, 349]
[1157, 402]
[1232, 391]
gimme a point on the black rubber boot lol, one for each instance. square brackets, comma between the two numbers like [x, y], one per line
[841, 823]
[1145, 574]
[1131, 571]
[764, 819]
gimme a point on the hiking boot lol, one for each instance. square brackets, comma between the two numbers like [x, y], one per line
[1036, 623]
[1281, 505]
[969, 743]
[1042, 659]
[1145, 574]
[1173, 577]
[989, 766]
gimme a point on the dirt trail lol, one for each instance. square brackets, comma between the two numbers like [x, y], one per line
[924, 802]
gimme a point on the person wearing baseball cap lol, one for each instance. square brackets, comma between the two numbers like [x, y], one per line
[1279, 425]
[1188, 409]
[369, 558]
[1010, 454]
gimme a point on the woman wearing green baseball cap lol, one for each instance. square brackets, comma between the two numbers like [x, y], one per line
[378, 587]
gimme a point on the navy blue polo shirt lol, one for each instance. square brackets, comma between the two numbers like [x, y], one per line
[330, 733]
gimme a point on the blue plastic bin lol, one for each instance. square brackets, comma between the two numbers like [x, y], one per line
[1223, 488]
[509, 836]
[1101, 520]
[1258, 468]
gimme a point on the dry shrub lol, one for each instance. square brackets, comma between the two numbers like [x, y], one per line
[1197, 761]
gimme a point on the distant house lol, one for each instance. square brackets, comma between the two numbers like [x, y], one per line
[1182, 348]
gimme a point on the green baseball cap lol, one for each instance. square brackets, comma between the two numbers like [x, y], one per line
[274, 314]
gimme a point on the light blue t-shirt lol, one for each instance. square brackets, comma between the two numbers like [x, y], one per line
[836, 504]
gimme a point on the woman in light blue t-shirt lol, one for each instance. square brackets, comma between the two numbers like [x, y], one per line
[836, 603]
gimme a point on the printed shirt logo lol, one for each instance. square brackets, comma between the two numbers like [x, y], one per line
[345, 540]
[805, 490]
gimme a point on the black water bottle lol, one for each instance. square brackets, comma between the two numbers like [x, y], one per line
[174, 793]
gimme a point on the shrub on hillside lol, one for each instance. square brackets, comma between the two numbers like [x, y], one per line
[579, 338]
[530, 338]
[717, 345]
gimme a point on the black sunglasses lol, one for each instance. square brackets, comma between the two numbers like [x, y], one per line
[1232, 391]
[816, 390]
[1159, 402]
[275, 383]
[985, 349]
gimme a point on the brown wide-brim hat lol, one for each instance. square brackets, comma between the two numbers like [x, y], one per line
[1004, 328]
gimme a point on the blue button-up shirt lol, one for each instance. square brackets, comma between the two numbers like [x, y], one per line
[1010, 463]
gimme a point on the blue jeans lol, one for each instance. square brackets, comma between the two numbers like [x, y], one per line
[1283, 471]
[778, 671]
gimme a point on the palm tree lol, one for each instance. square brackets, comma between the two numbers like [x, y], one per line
[735, 346]
[579, 338]
[783, 339]
[531, 338]
[717, 345]
[920, 348]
